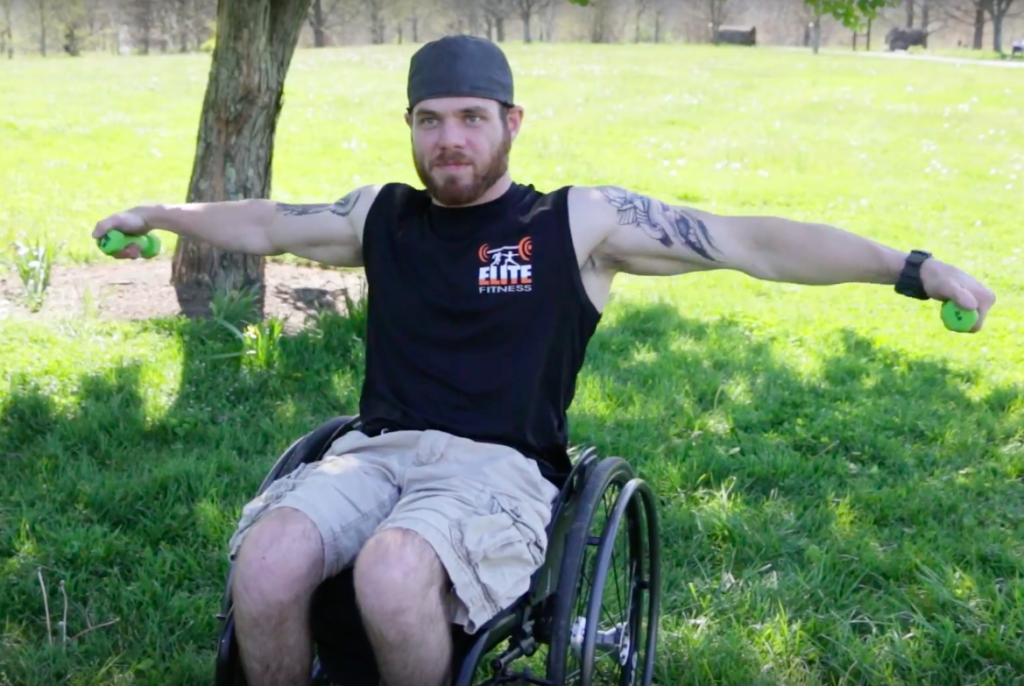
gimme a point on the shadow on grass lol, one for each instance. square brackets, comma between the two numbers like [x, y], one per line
[855, 521]
[132, 508]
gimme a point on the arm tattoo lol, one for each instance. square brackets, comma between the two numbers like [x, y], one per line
[342, 207]
[664, 223]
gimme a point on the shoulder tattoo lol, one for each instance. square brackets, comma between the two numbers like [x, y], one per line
[342, 207]
[664, 223]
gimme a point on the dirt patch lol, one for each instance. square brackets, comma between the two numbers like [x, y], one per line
[142, 290]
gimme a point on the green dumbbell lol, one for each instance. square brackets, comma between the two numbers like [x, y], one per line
[956, 318]
[115, 241]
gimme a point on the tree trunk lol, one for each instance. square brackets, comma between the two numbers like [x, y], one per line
[254, 46]
[42, 27]
[525, 16]
[317, 20]
[816, 34]
[979, 26]
[8, 41]
[997, 32]
[925, 18]
[910, 14]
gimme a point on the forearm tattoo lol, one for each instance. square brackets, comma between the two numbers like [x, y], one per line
[664, 223]
[342, 207]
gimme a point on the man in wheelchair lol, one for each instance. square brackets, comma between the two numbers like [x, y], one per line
[439, 502]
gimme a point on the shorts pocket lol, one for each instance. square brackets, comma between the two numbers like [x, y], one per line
[502, 550]
[253, 510]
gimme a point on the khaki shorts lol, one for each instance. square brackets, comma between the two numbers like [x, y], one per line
[483, 508]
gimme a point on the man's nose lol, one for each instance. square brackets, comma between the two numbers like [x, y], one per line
[451, 135]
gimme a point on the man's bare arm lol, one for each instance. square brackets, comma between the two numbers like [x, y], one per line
[325, 232]
[641, 235]
[648, 236]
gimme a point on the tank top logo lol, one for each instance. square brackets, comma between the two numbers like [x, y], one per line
[506, 269]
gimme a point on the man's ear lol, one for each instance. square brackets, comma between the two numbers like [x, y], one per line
[408, 118]
[515, 120]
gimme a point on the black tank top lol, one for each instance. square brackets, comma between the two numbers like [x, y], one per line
[478, 322]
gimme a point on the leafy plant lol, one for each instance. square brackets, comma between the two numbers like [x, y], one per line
[34, 262]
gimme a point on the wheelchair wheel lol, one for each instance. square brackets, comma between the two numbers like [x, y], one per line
[591, 643]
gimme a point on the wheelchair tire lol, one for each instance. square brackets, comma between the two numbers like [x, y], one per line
[574, 620]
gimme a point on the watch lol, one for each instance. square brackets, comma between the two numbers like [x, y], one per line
[909, 282]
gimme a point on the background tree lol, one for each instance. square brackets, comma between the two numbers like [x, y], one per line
[255, 41]
[969, 12]
[853, 14]
[7, 28]
[998, 12]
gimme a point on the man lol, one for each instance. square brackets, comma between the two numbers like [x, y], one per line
[441, 500]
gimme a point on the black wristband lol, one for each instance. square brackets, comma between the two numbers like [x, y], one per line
[909, 283]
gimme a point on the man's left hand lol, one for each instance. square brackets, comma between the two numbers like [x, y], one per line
[943, 282]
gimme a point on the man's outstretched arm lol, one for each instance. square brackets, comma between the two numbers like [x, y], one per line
[326, 232]
[642, 235]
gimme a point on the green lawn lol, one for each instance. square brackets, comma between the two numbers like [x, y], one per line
[841, 480]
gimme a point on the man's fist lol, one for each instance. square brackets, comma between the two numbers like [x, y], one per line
[943, 281]
[128, 223]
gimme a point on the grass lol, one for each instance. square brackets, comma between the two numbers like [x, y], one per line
[840, 479]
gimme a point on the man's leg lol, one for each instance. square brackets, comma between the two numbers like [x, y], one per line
[401, 589]
[304, 528]
[458, 548]
[278, 569]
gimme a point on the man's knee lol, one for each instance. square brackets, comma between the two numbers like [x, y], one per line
[397, 570]
[280, 560]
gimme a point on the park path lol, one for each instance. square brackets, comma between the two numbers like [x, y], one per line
[960, 61]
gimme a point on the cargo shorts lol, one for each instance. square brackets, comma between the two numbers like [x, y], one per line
[482, 507]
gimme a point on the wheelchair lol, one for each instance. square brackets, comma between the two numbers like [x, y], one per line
[559, 632]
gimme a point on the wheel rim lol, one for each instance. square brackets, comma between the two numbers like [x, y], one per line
[573, 665]
[611, 638]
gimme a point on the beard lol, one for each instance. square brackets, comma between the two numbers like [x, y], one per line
[453, 190]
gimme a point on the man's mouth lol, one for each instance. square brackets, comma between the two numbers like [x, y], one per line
[449, 165]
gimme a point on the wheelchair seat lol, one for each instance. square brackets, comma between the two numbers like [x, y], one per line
[555, 615]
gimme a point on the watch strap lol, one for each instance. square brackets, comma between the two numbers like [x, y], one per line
[909, 282]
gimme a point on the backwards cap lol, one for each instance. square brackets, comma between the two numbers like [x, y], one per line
[460, 66]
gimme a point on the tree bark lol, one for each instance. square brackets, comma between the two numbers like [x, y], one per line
[254, 46]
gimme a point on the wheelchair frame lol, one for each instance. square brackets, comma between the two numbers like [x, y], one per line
[545, 615]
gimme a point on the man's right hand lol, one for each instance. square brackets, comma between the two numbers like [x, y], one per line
[129, 223]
